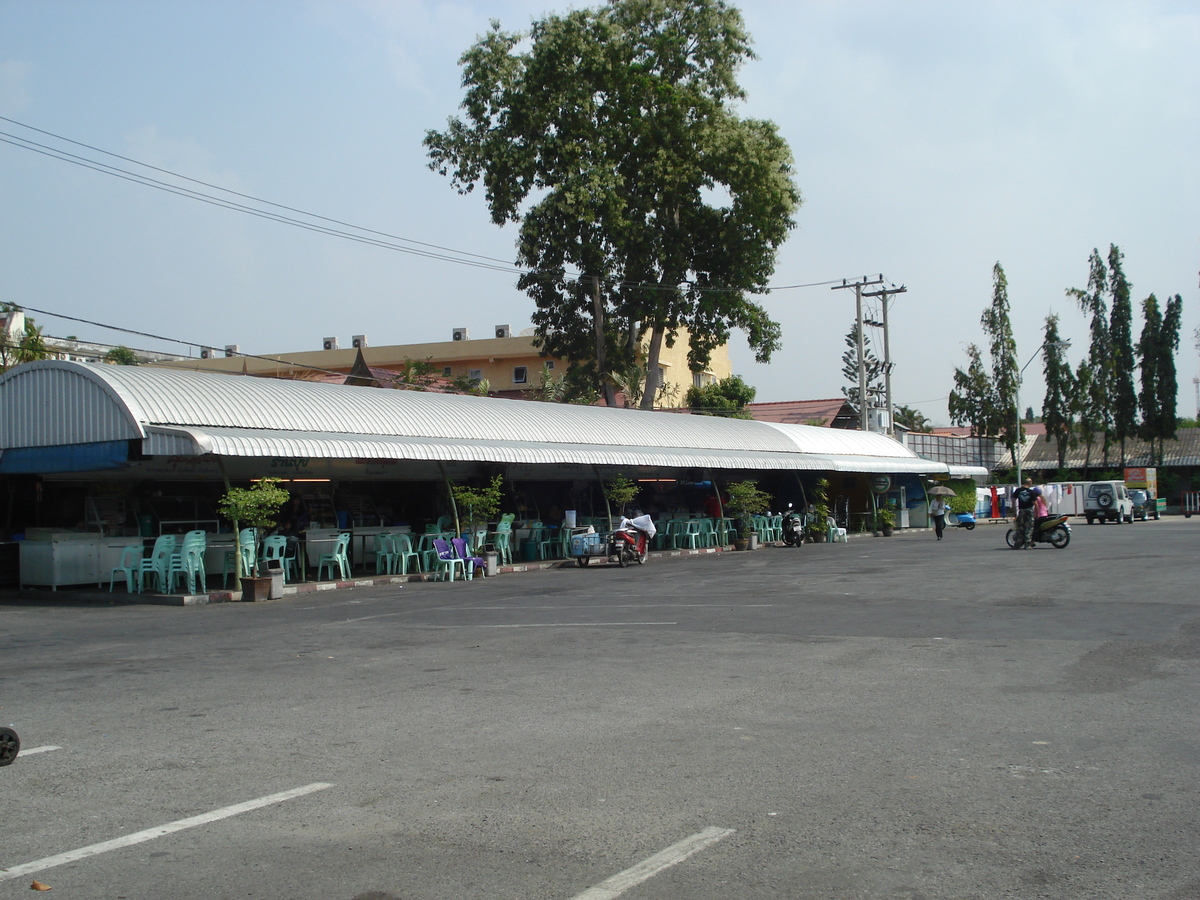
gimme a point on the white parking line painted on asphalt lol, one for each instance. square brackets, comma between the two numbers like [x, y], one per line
[151, 833]
[32, 750]
[648, 868]
[556, 625]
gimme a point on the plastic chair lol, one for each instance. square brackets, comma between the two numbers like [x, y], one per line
[130, 566]
[445, 562]
[326, 561]
[836, 534]
[549, 545]
[502, 542]
[472, 564]
[775, 528]
[427, 552]
[539, 534]
[187, 563]
[385, 553]
[708, 534]
[247, 543]
[275, 549]
[154, 567]
[403, 550]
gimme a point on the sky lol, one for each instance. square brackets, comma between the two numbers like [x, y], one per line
[931, 141]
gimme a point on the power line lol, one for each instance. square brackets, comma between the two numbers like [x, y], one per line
[380, 239]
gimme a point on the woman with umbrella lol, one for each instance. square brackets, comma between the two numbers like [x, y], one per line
[938, 508]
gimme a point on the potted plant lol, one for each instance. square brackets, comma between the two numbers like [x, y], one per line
[818, 512]
[620, 492]
[476, 507]
[746, 501]
[885, 520]
[255, 508]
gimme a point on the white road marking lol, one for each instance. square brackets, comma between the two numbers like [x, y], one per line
[557, 625]
[32, 750]
[648, 868]
[160, 831]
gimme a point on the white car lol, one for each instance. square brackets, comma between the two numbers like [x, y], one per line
[1107, 501]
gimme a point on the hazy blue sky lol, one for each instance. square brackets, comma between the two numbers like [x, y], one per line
[932, 139]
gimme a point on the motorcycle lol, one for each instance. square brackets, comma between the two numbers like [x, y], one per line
[1052, 530]
[962, 520]
[10, 745]
[630, 543]
[793, 528]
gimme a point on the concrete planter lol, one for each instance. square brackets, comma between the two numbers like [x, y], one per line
[256, 589]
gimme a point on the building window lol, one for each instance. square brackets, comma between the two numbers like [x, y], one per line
[475, 375]
[550, 364]
[447, 371]
[520, 374]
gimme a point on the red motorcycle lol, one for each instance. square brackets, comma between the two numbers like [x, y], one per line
[630, 543]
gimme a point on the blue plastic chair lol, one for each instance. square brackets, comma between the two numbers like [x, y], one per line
[275, 549]
[155, 566]
[402, 545]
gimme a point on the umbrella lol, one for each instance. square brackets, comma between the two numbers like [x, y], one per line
[940, 491]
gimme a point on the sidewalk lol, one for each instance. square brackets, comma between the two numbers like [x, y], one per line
[99, 595]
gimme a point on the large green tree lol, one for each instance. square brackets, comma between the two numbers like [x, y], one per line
[1121, 361]
[609, 135]
[1159, 382]
[1060, 386]
[988, 401]
[1093, 412]
[872, 364]
[727, 397]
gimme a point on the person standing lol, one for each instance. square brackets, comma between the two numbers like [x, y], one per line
[937, 511]
[1026, 497]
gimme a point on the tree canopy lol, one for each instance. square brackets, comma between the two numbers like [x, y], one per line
[727, 397]
[646, 206]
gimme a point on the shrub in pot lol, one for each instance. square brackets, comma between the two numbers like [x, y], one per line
[746, 501]
[256, 508]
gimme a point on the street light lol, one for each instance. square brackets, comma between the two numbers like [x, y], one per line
[1017, 454]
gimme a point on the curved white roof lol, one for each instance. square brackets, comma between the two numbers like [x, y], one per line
[56, 403]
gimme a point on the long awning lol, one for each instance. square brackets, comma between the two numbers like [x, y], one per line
[236, 442]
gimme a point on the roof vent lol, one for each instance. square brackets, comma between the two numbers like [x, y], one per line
[329, 343]
[503, 331]
[359, 341]
[460, 334]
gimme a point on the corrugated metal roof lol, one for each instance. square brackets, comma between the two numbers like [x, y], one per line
[54, 402]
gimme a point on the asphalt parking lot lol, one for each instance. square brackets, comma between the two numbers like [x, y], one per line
[894, 718]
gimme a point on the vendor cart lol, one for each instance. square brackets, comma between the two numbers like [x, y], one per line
[588, 545]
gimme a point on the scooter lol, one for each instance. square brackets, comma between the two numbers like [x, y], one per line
[630, 543]
[793, 528]
[1052, 530]
[963, 520]
[10, 745]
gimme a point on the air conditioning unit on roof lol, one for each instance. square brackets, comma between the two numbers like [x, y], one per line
[329, 343]
[460, 334]
[232, 350]
[208, 353]
[503, 331]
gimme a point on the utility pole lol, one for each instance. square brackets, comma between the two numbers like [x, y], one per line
[887, 350]
[862, 363]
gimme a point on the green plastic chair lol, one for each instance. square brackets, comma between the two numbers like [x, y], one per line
[130, 566]
[247, 545]
[403, 548]
[275, 548]
[326, 561]
[154, 567]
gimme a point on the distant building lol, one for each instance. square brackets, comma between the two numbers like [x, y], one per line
[510, 364]
[835, 413]
[12, 330]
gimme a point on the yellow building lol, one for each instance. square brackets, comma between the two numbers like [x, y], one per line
[510, 364]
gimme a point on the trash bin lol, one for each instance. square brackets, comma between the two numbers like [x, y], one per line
[275, 573]
[529, 550]
[491, 561]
